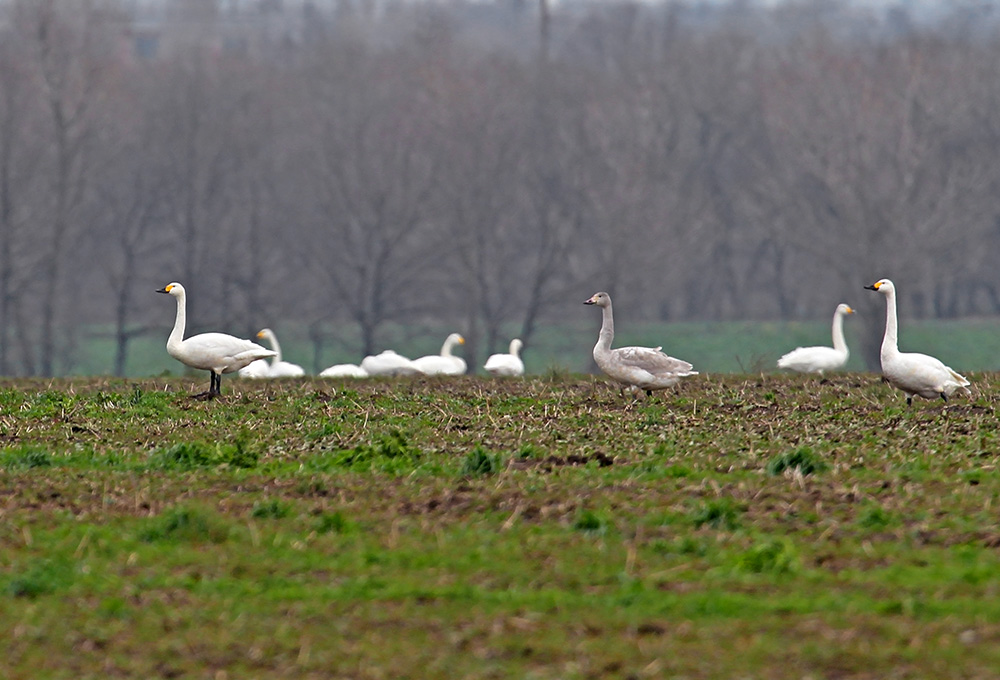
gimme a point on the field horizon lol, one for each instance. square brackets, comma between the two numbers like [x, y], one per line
[732, 347]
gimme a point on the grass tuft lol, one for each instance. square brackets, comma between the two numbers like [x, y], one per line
[25, 458]
[769, 557]
[803, 458]
[40, 577]
[717, 513]
[390, 453]
[334, 522]
[590, 522]
[186, 524]
[271, 509]
[481, 463]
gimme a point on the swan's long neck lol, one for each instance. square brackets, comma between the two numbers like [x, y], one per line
[276, 359]
[890, 343]
[839, 343]
[177, 334]
[514, 348]
[446, 347]
[607, 330]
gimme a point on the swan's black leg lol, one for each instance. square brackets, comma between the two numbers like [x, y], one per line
[216, 384]
[649, 393]
[909, 400]
[945, 397]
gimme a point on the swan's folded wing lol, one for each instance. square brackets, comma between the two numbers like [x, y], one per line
[653, 360]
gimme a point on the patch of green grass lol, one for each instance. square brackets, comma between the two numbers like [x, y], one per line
[389, 453]
[481, 463]
[40, 576]
[772, 556]
[717, 513]
[590, 522]
[25, 458]
[334, 522]
[190, 524]
[272, 508]
[802, 459]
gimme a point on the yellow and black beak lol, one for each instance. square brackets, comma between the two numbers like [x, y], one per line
[874, 286]
[165, 289]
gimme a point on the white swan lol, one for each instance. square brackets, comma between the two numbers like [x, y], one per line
[216, 353]
[908, 371]
[640, 368]
[819, 359]
[388, 363]
[444, 363]
[279, 368]
[256, 369]
[344, 371]
[506, 364]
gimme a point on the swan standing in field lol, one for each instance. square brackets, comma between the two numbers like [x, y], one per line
[279, 368]
[216, 353]
[344, 371]
[444, 363]
[819, 359]
[388, 363]
[914, 374]
[506, 364]
[640, 368]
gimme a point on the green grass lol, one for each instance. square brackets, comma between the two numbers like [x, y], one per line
[741, 526]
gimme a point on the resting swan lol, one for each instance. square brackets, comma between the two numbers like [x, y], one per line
[644, 368]
[388, 363]
[279, 368]
[914, 374]
[506, 364]
[444, 363]
[216, 353]
[819, 359]
[344, 371]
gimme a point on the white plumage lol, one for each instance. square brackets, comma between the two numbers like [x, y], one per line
[278, 367]
[388, 363]
[344, 371]
[819, 359]
[645, 368]
[256, 369]
[444, 363]
[216, 353]
[914, 374]
[506, 364]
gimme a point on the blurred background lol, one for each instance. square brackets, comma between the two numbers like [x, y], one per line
[368, 174]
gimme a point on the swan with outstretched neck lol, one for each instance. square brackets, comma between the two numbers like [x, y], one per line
[216, 353]
[819, 359]
[638, 368]
[913, 373]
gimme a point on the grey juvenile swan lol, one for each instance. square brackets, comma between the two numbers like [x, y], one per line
[639, 368]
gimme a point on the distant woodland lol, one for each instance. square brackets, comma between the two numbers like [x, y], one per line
[486, 166]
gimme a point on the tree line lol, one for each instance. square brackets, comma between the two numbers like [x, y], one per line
[427, 164]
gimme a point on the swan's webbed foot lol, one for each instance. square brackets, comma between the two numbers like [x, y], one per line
[205, 396]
